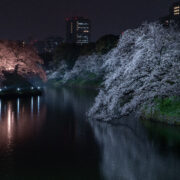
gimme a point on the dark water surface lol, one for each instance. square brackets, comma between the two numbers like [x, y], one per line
[49, 137]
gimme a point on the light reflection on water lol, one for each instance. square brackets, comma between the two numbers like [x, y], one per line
[32, 105]
[128, 152]
[0, 109]
[18, 104]
[16, 120]
[50, 136]
[38, 104]
[46, 136]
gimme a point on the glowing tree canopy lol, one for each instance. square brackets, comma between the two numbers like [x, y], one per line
[144, 65]
[23, 60]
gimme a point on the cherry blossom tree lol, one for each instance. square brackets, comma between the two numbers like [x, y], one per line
[20, 59]
[145, 65]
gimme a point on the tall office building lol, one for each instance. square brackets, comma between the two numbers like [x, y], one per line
[78, 30]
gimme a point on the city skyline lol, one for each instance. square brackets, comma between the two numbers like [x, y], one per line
[40, 19]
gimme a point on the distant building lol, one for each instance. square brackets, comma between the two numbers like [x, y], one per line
[174, 15]
[78, 30]
[175, 10]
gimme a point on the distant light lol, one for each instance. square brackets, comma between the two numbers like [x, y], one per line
[39, 87]
[32, 88]
[18, 89]
[0, 90]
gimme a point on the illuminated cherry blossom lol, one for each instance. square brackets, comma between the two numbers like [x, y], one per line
[23, 59]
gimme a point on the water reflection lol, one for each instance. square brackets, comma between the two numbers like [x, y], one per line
[16, 122]
[32, 105]
[127, 153]
[10, 120]
[70, 106]
[38, 104]
[49, 137]
[0, 109]
[18, 105]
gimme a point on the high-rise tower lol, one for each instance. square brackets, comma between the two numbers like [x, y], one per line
[78, 30]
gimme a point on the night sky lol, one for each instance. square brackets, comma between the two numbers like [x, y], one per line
[21, 19]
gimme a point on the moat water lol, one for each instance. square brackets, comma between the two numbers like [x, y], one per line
[49, 137]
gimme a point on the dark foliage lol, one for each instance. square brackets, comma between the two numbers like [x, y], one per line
[71, 52]
[67, 52]
[47, 57]
[13, 80]
[106, 43]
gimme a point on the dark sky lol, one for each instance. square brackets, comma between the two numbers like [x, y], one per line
[41, 18]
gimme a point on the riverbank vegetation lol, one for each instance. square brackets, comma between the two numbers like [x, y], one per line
[144, 66]
[166, 110]
[141, 68]
[80, 66]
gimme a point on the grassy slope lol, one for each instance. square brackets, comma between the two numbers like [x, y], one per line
[166, 110]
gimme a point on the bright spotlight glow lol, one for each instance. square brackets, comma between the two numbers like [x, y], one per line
[18, 89]
[0, 90]
[32, 88]
[39, 87]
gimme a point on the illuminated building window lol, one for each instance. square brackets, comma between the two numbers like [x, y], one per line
[177, 7]
[86, 31]
[176, 10]
[176, 13]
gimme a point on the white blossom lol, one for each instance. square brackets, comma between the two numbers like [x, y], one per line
[145, 64]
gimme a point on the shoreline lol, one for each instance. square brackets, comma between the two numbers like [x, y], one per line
[21, 93]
